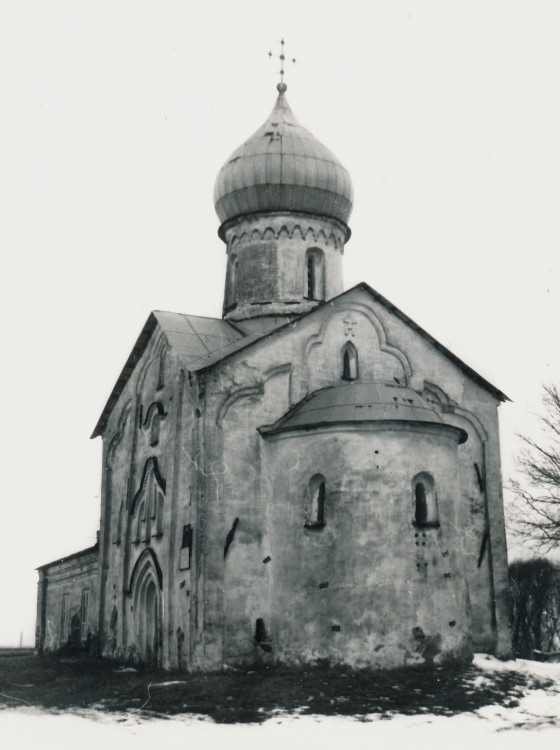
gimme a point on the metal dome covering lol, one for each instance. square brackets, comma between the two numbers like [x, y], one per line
[360, 402]
[283, 167]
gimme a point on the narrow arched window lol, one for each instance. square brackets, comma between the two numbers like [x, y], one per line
[316, 502]
[232, 281]
[350, 362]
[311, 277]
[421, 506]
[424, 498]
[161, 370]
[315, 275]
[84, 613]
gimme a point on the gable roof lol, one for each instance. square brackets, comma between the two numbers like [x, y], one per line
[202, 342]
[197, 340]
[500, 395]
[228, 351]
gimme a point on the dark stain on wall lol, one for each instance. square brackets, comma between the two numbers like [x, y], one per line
[229, 537]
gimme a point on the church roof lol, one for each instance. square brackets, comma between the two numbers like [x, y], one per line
[74, 556]
[283, 167]
[198, 341]
[203, 342]
[356, 403]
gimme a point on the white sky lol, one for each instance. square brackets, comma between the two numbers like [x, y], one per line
[116, 117]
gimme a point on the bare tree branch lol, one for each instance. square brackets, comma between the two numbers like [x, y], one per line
[535, 515]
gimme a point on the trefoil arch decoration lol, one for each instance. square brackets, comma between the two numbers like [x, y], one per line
[251, 391]
[384, 346]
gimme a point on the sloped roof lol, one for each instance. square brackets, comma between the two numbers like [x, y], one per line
[203, 342]
[198, 341]
[74, 556]
[359, 402]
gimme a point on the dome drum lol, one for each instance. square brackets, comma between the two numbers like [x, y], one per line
[281, 264]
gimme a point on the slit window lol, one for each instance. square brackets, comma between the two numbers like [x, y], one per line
[260, 630]
[161, 370]
[186, 548]
[84, 613]
[157, 529]
[232, 281]
[64, 620]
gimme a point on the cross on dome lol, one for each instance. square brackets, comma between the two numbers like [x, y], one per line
[282, 57]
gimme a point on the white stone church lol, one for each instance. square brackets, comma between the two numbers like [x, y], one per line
[311, 476]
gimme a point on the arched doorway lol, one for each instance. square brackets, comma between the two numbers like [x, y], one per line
[146, 593]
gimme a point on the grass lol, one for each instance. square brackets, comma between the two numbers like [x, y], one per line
[56, 684]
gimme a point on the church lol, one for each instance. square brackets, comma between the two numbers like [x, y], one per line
[310, 477]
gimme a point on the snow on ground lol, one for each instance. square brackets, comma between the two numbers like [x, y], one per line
[536, 719]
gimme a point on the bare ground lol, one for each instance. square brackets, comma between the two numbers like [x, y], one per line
[253, 696]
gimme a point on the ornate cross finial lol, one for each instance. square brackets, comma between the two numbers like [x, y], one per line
[282, 57]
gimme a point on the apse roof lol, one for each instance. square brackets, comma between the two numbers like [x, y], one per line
[356, 403]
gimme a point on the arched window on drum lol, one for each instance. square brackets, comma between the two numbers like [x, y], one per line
[231, 282]
[315, 274]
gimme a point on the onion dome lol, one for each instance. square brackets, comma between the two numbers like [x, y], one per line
[360, 402]
[283, 167]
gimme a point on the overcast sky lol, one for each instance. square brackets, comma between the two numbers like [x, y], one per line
[116, 117]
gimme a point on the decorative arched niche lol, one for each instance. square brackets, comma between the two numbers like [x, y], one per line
[152, 422]
[147, 508]
[424, 501]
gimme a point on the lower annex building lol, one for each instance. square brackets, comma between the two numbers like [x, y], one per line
[312, 476]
